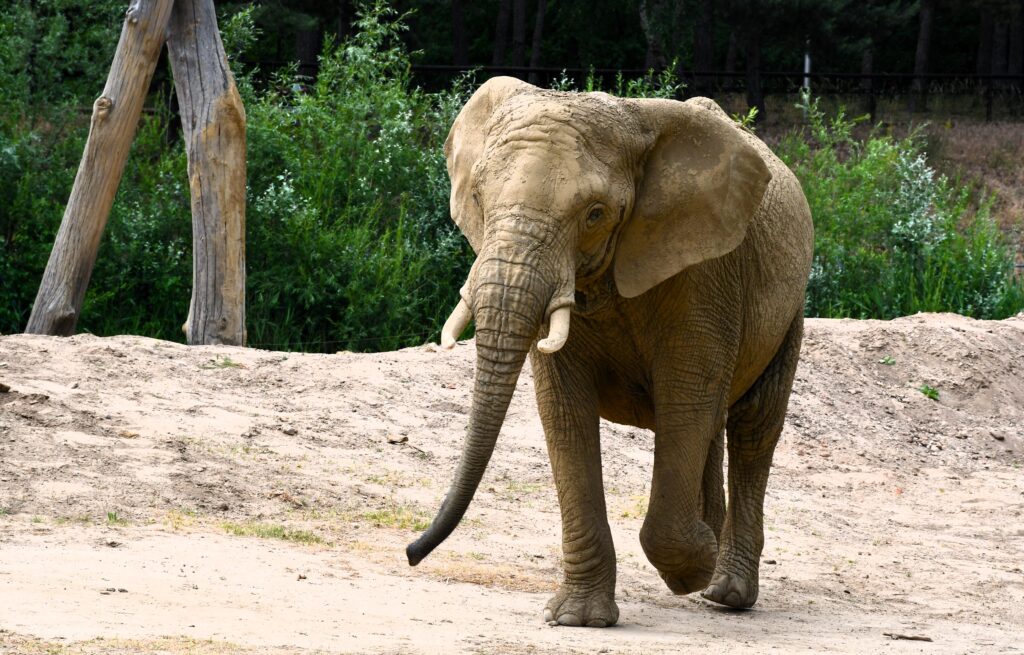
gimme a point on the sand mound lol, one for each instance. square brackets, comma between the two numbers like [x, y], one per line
[160, 498]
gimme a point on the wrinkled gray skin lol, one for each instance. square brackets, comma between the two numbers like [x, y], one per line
[683, 246]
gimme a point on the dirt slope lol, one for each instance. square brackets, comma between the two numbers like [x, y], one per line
[159, 498]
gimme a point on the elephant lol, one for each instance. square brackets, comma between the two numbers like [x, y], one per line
[677, 247]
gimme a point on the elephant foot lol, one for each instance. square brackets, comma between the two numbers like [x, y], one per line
[573, 606]
[732, 590]
[688, 580]
[685, 559]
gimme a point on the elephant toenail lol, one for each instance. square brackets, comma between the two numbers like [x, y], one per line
[548, 616]
[569, 619]
[597, 623]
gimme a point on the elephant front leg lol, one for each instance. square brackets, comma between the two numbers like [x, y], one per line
[675, 536]
[568, 409]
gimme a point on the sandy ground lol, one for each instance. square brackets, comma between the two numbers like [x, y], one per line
[160, 498]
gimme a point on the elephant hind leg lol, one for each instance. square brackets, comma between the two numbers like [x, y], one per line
[712, 485]
[754, 425]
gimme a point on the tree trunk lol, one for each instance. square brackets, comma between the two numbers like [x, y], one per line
[704, 44]
[460, 43]
[538, 39]
[650, 12]
[730, 59]
[867, 84]
[752, 54]
[983, 63]
[1000, 51]
[1015, 59]
[307, 51]
[919, 93]
[213, 119]
[343, 25]
[501, 32]
[519, 33]
[115, 118]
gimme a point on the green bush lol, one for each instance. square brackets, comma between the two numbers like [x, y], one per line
[37, 165]
[142, 280]
[890, 234]
[350, 243]
[55, 52]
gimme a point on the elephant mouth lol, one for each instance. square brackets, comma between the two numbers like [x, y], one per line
[597, 297]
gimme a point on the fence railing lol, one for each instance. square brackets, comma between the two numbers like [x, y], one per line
[989, 90]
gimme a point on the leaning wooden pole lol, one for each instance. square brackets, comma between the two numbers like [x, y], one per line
[115, 117]
[213, 120]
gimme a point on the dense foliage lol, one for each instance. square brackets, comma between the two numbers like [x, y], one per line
[888, 235]
[349, 244]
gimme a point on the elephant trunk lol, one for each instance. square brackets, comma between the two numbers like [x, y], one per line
[509, 300]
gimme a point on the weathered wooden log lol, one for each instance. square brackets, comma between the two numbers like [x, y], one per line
[115, 117]
[213, 120]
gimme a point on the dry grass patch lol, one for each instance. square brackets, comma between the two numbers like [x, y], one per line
[180, 519]
[987, 154]
[272, 531]
[24, 645]
[399, 516]
[491, 575]
[632, 507]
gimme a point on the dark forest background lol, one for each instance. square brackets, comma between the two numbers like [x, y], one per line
[743, 37]
[843, 36]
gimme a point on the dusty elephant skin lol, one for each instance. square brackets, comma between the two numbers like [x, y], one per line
[666, 253]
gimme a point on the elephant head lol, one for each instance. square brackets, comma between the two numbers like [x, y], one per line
[557, 190]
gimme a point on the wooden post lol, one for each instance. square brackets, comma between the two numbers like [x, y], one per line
[213, 120]
[115, 117]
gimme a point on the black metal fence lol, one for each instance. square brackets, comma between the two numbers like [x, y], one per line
[978, 95]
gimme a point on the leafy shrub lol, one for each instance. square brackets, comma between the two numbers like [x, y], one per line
[663, 84]
[37, 166]
[350, 243]
[888, 234]
[55, 52]
[142, 280]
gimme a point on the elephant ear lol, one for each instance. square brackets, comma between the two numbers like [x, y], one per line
[702, 181]
[465, 144]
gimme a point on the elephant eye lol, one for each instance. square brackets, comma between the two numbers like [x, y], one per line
[594, 217]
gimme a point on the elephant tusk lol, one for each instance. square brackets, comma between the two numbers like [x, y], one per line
[455, 324]
[558, 331]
